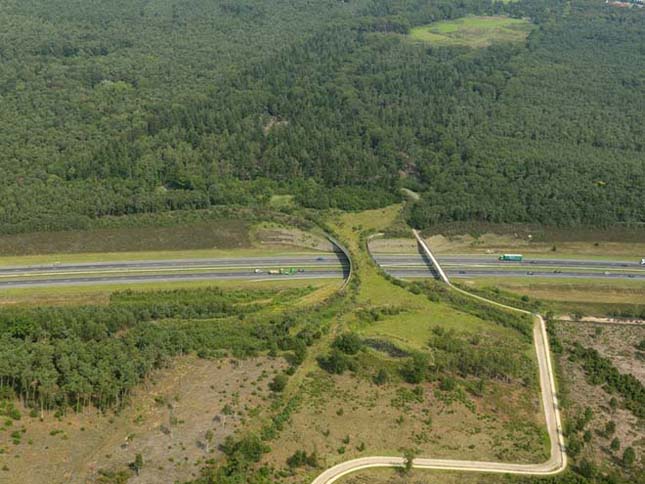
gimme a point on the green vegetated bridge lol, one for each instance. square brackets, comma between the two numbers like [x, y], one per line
[557, 461]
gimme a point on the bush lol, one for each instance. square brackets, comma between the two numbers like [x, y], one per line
[629, 457]
[382, 377]
[615, 444]
[348, 343]
[336, 362]
[279, 383]
[300, 459]
[415, 370]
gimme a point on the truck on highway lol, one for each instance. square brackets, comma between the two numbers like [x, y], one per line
[511, 257]
[283, 272]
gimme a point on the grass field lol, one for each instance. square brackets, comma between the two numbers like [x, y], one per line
[473, 31]
[76, 295]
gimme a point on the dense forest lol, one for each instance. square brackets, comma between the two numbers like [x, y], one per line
[111, 108]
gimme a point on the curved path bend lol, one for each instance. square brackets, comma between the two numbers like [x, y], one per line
[557, 461]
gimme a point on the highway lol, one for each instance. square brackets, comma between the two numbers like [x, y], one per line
[408, 266]
[557, 461]
[314, 266]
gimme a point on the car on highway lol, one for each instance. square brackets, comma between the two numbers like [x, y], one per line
[643, 261]
[320, 258]
[530, 273]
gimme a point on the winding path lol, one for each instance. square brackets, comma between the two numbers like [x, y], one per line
[557, 461]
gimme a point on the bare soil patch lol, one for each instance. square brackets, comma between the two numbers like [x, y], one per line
[616, 343]
[269, 235]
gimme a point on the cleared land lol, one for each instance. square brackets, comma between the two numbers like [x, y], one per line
[619, 345]
[166, 422]
[473, 31]
[584, 297]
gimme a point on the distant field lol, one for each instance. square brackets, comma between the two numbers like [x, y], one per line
[473, 31]
[223, 234]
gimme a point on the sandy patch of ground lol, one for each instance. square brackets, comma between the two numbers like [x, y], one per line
[616, 342]
[166, 423]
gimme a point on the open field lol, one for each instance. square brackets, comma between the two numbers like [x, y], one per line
[224, 234]
[81, 295]
[473, 31]
[505, 425]
[165, 422]
[135, 244]
[593, 436]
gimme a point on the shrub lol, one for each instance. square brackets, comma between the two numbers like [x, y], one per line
[629, 457]
[415, 370]
[279, 383]
[336, 362]
[348, 343]
[381, 377]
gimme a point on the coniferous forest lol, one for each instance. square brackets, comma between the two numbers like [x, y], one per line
[112, 108]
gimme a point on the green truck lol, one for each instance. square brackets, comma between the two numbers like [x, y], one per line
[511, 257]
